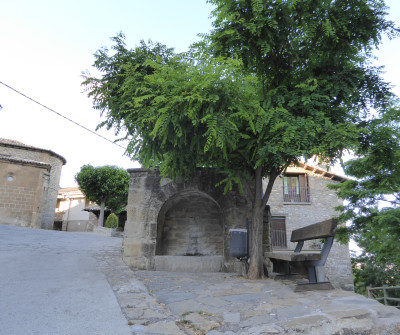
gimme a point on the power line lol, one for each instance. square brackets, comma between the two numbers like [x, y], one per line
[52, 110]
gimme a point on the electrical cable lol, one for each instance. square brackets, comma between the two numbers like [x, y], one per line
[52, 110]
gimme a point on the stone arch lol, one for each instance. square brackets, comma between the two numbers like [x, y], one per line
[190, 223]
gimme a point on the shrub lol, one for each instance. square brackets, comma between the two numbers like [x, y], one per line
[112, 221]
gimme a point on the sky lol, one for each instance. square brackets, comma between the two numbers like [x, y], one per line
[46, 44]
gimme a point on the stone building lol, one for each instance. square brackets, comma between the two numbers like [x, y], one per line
[184, 226]
[29, 182]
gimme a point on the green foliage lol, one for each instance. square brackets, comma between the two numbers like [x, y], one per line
[373, 198]
[368, 272]
[274, 82]
[105, 183]
[372, 207]
[112, 221]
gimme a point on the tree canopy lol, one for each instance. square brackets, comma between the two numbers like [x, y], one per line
[273, 82]
[106, 185]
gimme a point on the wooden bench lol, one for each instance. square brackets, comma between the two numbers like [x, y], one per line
[309, 263]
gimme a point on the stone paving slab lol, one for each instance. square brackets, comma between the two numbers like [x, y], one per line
[157, 302]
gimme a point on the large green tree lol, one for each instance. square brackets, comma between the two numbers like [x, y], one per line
[274, 82]
[106, 185]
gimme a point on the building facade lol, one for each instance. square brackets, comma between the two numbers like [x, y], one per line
[299, 198]
[185, 226]
[29, 183]
[71, 213]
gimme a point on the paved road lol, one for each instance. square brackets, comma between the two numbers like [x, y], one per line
[51, 283]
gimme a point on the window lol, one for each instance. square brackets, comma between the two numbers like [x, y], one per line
[295, 188]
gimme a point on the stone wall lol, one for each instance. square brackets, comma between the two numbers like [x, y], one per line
[19, 151]
[22, 193]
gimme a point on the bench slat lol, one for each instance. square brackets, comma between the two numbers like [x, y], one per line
[322, 229]
[294, 257]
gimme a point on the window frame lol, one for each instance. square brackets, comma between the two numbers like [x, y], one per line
[297, 191]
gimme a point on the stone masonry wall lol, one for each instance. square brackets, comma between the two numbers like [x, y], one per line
[21, 194]
[155, 206]
[43, 156]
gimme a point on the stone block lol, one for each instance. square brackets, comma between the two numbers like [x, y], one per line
[188, 263]
[137, 263]
[166, 328]
[304, 323]
[231, 317]
[103, 231]
[133, 247]
[205, 322]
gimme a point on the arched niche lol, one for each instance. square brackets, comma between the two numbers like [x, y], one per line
[190, 223]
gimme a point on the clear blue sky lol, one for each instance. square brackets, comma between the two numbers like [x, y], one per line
[46, 44]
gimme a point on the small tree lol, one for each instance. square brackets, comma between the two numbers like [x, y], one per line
[106, 185]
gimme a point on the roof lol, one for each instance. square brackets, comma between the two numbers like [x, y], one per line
[322, 172]
[94, 208]
[16, 144]
[71, 192]
[8, 141]
[23, 161]
[70, 189]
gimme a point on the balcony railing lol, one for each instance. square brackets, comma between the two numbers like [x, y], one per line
[298, 194]
[278, 238]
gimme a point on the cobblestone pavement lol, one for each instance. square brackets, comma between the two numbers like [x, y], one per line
[156, 302]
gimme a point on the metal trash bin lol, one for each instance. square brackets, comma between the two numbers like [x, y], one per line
[238, 243]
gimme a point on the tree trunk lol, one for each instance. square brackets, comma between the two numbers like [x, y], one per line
[256, 230]
[101, 217]
[256, 268]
